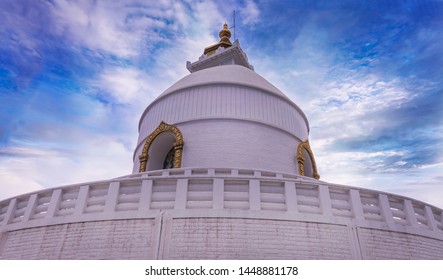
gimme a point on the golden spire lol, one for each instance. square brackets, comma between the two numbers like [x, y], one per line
[225, 35]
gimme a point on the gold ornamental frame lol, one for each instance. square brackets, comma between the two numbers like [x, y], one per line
[301, 160]
[178, 145]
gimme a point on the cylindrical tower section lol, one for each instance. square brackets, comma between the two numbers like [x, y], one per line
[228, 116]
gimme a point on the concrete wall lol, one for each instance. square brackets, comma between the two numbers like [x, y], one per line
[227, 238]
[214, 238]
[117, 239]
[217, 214]
[381, 244]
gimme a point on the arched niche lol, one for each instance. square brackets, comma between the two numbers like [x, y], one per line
[158, 146]
[306, 161]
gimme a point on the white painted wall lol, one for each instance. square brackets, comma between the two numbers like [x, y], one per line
[210, 97]
[241, 144]
[219, 213]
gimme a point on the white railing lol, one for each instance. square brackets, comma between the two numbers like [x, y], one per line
[216, 190]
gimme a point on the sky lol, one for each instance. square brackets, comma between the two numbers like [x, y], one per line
[75, 77]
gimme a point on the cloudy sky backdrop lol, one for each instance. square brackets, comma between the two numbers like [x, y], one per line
[75, 77]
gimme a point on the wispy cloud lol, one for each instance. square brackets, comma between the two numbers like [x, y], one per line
[28, 152]
[76, 75]
[250, 12]
[123, 85]
[120, 28]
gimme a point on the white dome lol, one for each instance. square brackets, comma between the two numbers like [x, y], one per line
[229, 116]
[228, 75]
[225, 74]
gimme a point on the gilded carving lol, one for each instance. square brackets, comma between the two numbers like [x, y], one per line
[178, 145]
[301, 160]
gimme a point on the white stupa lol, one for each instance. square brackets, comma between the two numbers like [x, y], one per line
[222, 170]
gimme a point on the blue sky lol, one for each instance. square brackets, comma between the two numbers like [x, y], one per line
[75, 77]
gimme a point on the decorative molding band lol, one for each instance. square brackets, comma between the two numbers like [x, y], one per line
[178, 145]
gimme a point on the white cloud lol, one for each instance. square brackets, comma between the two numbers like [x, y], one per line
[336, 98]
[250, 12]
[101, 158]
[122, 28]
[28, 152]
[99, 145]
[343, 102]
[125, 85]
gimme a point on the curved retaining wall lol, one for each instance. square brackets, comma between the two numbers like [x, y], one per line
[217, 214]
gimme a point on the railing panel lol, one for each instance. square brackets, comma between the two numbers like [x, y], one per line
[20, 208]
[308, 198]
[397, 207]
[438, 216]
[272, 195]
[163, 194]
[243, 172]
[97, 198]
[218, 189]
[371, 208]
[129, 195]
[236, 194]
[223, 171]
[420, 215]
[42, 205]
[3, 208]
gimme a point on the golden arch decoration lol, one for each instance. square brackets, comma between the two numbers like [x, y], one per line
[178, 145]
[301, 160]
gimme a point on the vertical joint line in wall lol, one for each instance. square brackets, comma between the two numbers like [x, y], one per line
[357, 237]
[159, 240]
[62, 245]
[3, 237]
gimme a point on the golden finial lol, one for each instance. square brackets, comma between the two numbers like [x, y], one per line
[225, 34]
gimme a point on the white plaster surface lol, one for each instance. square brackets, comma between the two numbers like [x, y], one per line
[121, 239]
[222, 93]
[243, 144]
[217, 213]
[227, 238]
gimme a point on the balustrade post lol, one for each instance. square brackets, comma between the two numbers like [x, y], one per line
[430, 218]
[112, 197]
[9, 216]
[188, 172]
[54, 203]
[82, 198]
[385, 208]
[144, 203]
[218, 195]
[181, 194]
[325, 200]
[291, 197]
[30, 207]
[410, 213]
[254, 195]
[356, 205]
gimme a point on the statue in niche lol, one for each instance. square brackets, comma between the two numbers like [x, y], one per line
[169, 160]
